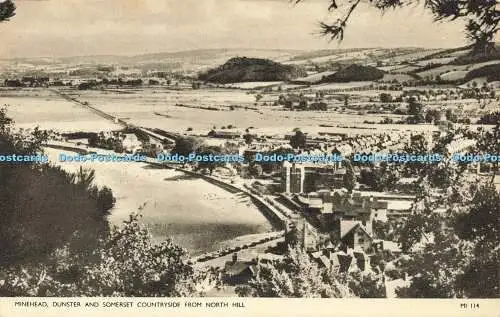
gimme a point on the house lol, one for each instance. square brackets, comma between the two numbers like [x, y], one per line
[309, 177]
[238, 272]
[131, 142]
[407, 184]
[341, 261]
[354, 235]
[301, 232]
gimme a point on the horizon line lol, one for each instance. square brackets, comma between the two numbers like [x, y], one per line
[138, 54]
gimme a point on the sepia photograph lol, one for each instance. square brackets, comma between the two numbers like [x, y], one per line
[225, 151]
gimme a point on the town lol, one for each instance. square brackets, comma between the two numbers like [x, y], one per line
[348, 172]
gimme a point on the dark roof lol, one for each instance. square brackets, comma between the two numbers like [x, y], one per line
[236, 268]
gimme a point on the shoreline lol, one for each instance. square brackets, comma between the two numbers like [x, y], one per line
[173, 200]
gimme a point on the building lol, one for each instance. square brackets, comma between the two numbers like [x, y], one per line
[328, 207]
[305, 234]
[354, 235]
[131, 142]
[293, 178]
[238, 272]
[305, 178]
[341, 261]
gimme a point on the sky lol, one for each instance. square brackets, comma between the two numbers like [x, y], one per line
[55, 28]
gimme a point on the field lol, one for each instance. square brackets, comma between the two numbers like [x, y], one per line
[30, 108]
[157, 109]
[446, 69]
[314, 77]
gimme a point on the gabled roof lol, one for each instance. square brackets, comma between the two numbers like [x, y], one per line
[238, 267]
[316, 254]
[346, 226]
[345, 262]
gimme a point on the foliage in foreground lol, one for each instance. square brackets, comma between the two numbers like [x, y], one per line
[481, 16]
[55, 239]
[295, 276]
[43, 207]
[126, 263]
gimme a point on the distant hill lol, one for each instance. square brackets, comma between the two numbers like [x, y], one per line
[491, 72]
[243, 69]
[354, 72]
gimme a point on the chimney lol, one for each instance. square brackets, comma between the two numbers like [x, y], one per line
[235, 257]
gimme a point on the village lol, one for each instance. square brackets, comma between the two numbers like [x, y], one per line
[340, 212]
[219, 149]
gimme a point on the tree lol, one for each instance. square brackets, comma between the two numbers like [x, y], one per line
[349, 177]
[432, 116]
[7, 10]
[210, 151]
[321, 106]
[271, 167]
[490, 118]
[129, 264]
[482, 16]
[418, 145]
[298, 140]
[450, 116]
[488, 143]
[437, 281]
[44, 207]
[383, 230]
[302, 105]
[480, 224]
[385, 97]
[295, 276]
[380, 179]
[248, 138]
[186, 145]
[256, 170]
[463, 240]
[414, 107]
[366, 285]
[126, 263]
[105, 200]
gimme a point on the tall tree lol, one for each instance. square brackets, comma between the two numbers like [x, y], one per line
[480, 224]
[463, 240]
[349, 176]
[298, 140]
